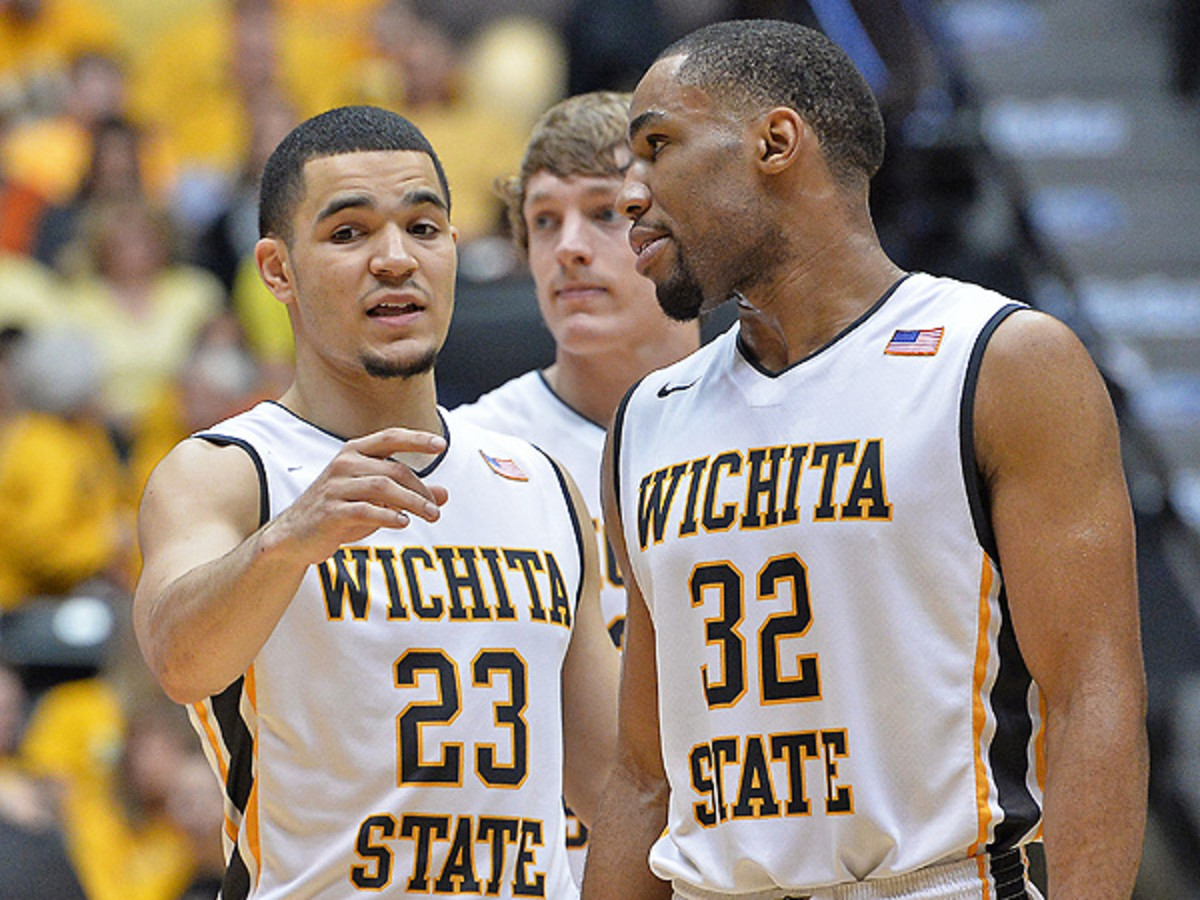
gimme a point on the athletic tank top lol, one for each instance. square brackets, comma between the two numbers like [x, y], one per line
[527, 407]
[401, 730]
[840, 691]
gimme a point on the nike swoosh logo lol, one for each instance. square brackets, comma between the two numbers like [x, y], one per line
[672, 388]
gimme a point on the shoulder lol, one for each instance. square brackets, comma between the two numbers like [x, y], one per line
[500, 407]
[1038, 384]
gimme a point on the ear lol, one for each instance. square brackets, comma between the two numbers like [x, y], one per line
[275, 269]
[781, 135]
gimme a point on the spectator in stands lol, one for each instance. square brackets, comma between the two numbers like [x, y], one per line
[61, 484]
[39, 38]
[33, 859]
[212, 64]
[115, 769]
[416, 69]
[114, 174]
[142, 307]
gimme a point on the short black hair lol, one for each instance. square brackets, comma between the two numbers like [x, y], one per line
[755, 64]
[345, 129]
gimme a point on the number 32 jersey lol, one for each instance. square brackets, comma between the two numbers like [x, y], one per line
[841, 696]
[400, 733]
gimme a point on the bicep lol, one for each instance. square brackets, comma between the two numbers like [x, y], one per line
[1049, 451]
[200, 502]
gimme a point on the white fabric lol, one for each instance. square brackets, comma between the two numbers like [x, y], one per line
[331, 698]
[855, 572]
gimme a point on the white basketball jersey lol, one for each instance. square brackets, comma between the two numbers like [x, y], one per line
[840, 690]
[527, 407]
[400, 733]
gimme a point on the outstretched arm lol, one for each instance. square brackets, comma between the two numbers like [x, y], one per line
[1048, 448]
[633, 810]
[214, 584]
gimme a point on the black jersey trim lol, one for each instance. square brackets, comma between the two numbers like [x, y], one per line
[236, 883]
[575, 523]
[264, 499]
[977, 496]
[1008, 871]
[614, 436]
[1008, 752]
[754, 364]
[541, 374]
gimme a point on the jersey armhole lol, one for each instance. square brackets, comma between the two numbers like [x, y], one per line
[575, 523]
[977, 496]
[264, 500]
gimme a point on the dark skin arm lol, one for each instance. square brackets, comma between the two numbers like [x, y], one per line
[633, 808]
[1047, 444]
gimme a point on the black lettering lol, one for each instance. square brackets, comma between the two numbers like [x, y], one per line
[424, 829]
[380, 857]
[830, 457]
[338, 585]
[714, 521]
[654, 502]
[458, 873]
[760, 485]
[868, 493]
[466, 580]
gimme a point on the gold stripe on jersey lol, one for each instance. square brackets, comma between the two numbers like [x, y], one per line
[983, 800]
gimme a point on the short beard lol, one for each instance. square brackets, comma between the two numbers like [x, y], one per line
[680, 296]
[382, 368]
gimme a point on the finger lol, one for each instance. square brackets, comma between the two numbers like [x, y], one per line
[389, 441]
[405, 494]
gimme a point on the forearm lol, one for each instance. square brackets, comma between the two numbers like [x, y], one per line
[1095, 799]
[632, 815]
[203, 630]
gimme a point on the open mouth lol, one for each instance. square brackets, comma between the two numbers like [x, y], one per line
[387, 310]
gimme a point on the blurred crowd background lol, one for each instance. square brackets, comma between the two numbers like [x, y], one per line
[1045, 149]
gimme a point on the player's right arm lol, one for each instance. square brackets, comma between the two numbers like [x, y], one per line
[214, 583]
[633, 809]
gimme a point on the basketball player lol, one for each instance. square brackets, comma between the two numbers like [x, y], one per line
[388, 680]
[608, 329]
[882, 624]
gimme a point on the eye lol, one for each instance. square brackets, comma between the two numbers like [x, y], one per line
[343, 234]
[608, 215]
[425, 229]
[542, 222]
[655, 143]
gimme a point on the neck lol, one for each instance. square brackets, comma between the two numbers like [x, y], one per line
[594, 384]
[795, 315]
[354, 407]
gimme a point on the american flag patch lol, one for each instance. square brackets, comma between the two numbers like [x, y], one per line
[504, 467]
[914, 342]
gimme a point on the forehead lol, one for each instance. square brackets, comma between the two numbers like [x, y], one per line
[660, 98]
[545, 186]
[378, 175]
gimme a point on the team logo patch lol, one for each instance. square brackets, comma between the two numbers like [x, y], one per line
[504, 467]
[914, 342]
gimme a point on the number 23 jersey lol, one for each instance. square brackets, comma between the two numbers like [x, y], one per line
[840, 692]
[401, 729]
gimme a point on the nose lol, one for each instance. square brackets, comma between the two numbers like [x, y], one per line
[574, 246]
[634, 197]
[392, 258]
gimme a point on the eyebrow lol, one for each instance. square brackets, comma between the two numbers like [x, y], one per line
[416, 197]
[642, 121]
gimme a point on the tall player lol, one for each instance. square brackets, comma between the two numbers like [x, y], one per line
[395, 685]
[882, 624]
[607, 327]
